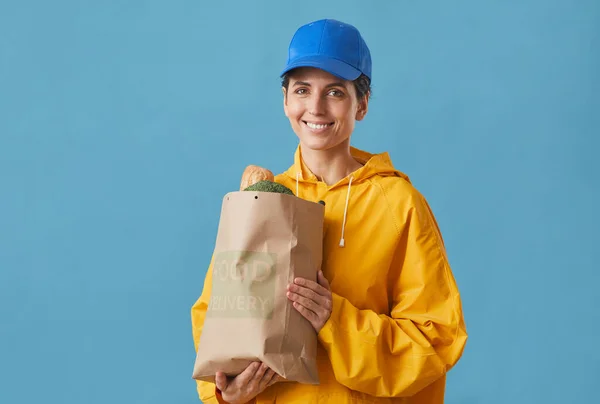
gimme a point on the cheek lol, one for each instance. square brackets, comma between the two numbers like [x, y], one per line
[345, 115]
[294, 109]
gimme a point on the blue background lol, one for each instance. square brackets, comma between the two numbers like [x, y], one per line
[123, 123]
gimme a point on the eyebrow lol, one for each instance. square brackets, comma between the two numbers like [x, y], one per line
[304, 83]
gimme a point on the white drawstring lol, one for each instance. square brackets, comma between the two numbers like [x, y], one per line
[342, 241]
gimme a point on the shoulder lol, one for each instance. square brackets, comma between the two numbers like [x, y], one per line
[405, 202]
[285, 179]
[399, 190]
[281, 177]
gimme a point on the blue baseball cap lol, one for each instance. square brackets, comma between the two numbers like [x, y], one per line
[330, 45]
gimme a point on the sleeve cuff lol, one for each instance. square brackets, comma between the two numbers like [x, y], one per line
[326, 334]
[219, 396]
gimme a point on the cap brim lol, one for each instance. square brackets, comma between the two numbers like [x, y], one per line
[330, 65]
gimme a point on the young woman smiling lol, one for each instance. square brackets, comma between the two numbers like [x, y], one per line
[385, 306]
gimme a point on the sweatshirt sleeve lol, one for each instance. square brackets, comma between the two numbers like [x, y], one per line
[207, 391]
[423, 336]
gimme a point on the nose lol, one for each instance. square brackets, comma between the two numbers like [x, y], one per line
[316, 105]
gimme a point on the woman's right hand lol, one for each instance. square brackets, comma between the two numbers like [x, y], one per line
[247, 385]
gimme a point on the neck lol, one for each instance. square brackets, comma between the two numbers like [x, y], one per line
[331, 165]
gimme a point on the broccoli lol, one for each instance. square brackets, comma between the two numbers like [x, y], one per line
[269, 186]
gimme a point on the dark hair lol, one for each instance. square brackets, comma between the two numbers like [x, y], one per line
[361, 84]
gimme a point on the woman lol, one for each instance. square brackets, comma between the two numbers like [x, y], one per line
[386, 307]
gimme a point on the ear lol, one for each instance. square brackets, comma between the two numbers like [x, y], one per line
[363, 107]
[284, 100]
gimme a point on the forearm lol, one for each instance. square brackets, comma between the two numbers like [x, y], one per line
[380, 355]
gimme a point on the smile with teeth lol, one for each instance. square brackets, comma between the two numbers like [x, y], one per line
[317, 126]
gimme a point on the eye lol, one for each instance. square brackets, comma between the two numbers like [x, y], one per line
[335, 93]
[301, 91]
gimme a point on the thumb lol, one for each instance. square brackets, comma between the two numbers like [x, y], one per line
[221, 381]
[322, 280]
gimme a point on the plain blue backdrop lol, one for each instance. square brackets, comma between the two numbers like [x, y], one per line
[123, 123]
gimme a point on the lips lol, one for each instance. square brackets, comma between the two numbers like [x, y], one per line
[317, 127]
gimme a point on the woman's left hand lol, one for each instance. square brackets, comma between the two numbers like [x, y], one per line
[313, 300]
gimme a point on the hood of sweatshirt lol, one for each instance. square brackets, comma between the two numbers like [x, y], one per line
[373, 164]
[305, 184]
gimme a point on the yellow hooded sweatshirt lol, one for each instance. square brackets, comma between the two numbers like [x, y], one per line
[397, 325]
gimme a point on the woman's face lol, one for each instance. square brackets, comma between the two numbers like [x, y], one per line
[322, 108]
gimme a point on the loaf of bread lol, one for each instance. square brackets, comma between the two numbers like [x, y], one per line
[253, 174]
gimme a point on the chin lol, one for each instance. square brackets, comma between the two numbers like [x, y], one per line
[314, 143]
[318, 141]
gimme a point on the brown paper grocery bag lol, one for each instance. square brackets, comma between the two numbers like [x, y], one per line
[264, 241]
